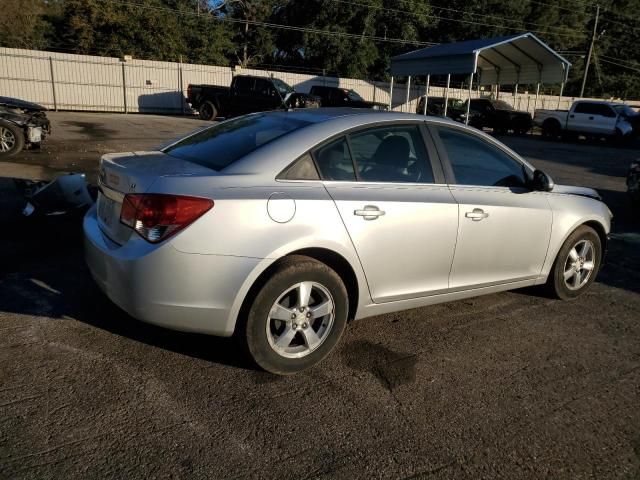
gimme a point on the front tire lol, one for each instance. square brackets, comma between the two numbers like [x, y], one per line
[11, 140]
[576, 264]
[297, 317]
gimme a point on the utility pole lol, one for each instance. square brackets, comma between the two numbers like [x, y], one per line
[590, 51]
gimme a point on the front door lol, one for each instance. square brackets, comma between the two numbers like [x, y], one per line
[403, 225]
[504, 227]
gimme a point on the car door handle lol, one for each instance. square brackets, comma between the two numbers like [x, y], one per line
[477, 214]
[590, 118]
[572, 116]
[369, 212]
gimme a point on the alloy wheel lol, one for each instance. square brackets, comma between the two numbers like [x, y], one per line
[579, 265]
[300, 320]
[7, 140]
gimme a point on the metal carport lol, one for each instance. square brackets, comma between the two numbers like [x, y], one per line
[511, 60]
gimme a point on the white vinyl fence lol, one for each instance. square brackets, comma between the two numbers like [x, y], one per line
[62, 81]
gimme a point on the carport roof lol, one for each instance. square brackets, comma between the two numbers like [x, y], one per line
[522, 58]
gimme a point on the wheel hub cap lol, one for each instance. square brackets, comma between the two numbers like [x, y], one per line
[579, 265]
[300, 319]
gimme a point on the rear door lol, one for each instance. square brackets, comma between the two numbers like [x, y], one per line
[265, 96]
[388, 187]
[504, 227]
[242, 95]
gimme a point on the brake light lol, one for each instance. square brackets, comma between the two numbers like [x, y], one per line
[157, 216]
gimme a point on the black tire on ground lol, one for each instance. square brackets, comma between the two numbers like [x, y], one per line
[556, 284]
[290, 272]
[551, 128]
[11, 139]
[208, 111]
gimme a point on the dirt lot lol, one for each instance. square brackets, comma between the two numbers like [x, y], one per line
[512, 385]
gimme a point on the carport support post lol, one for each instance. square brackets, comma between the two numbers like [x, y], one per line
[426, 96]
[180, 86]
[535, 104]
[391, 94]
[446, 94]
[53, 85]
[560, 95]
[408, 90]
[466, 118]
[124, 88]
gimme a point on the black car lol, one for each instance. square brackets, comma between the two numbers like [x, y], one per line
[500, 116]
[22, 125]
[343, 97]
[247, 94]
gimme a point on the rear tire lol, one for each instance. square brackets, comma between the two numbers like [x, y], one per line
[11, 140]
[576, 265]
[208, 111]
[297, 317]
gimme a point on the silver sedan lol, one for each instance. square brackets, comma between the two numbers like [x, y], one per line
[280, 227]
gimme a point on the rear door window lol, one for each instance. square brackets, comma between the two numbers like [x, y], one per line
[587, 108]
[391, 154]
[243, 84]
[219, 146]
[334, 161]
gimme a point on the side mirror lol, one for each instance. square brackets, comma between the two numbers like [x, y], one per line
[542, 182]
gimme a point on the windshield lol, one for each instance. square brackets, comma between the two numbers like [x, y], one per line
[219, 146]
[501, 105]
[282, 87]
[625, 110]
[354, 96]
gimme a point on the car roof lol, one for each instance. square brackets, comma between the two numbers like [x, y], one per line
[321, 125]
[349, 117]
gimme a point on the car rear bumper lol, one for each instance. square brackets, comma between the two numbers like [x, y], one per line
[163, 286]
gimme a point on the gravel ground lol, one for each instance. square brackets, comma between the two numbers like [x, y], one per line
[512, 385]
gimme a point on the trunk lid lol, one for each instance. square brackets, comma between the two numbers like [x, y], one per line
[133, 172]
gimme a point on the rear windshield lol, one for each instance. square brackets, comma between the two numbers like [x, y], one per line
[219, 146]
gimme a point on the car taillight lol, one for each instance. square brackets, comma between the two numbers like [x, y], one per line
[157, 216]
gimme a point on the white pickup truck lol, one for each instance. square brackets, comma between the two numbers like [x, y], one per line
[588, 117]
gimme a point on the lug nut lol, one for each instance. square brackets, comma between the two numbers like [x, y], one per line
[304, 325]
[308, 314]
[295, 325]
[293, 315]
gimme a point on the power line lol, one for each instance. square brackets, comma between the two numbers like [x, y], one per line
[552, 5]
[455, 20]
[317, 31]
[620, 65]
[453, 10]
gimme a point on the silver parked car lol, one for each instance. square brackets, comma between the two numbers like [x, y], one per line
[281, 226]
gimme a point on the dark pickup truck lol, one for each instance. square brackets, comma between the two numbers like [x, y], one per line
[247, 94]
[343, 97]
[500, 116]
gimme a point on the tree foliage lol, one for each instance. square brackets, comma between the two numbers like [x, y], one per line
[353, 38]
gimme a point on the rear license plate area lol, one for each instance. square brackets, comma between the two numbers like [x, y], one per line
[106, 208]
